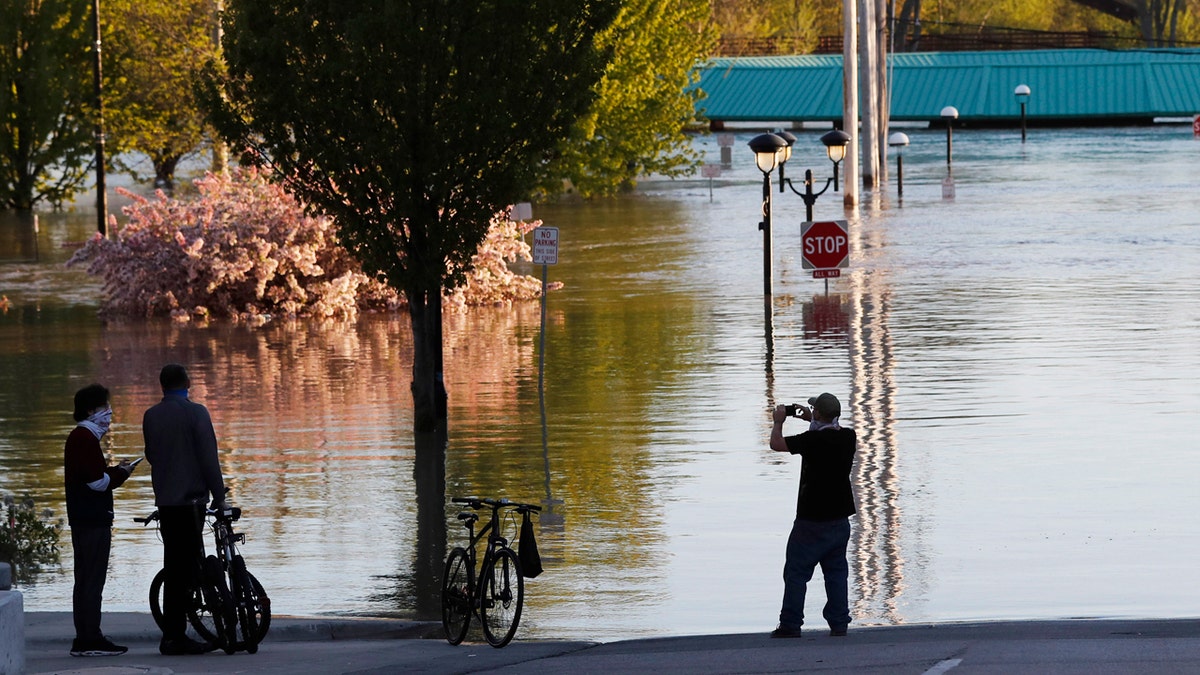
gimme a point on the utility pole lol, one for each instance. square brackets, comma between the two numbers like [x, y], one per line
[883, 15]
[850, 100]
[101, 188]
[220, 151]
[870, 97]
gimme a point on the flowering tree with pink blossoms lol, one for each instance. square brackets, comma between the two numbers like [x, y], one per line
[245, 249]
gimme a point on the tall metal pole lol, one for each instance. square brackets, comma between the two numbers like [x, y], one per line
[949, 141]
[765, 226]
[1022, 121]
[809, 197]
[101, 188]
[542, 376]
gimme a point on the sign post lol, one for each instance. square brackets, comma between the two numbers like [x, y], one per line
[545, 252]
[825, 246]
[710, 171]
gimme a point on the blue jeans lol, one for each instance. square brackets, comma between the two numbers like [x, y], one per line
[814, 542]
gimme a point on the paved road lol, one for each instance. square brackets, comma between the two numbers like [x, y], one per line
[323, 645]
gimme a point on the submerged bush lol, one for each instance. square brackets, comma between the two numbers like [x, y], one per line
[27, 540]
[246, 249]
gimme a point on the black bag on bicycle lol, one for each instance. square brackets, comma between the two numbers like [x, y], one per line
[527, 551]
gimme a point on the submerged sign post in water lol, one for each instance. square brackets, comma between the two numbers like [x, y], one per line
[545, 253]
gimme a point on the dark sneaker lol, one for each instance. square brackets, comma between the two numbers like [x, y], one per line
[100, 647]
[184, 646]
[837, 631]
[784, 631]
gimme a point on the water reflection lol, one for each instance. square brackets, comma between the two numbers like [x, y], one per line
[1011, 360]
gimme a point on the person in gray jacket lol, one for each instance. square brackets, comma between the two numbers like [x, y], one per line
[181, 447]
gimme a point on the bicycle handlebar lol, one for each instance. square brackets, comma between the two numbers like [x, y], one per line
[148, 519]
[230, 513]
[478, 503]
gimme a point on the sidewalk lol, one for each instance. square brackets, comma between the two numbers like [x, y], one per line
[367, 646]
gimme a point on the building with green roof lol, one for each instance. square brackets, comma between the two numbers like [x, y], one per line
[1069, 86]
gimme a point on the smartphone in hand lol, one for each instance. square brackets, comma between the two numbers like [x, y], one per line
[135, 462]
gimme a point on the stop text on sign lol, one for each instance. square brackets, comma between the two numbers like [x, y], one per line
[825, 245]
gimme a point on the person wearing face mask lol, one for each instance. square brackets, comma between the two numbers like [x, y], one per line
[90, 482]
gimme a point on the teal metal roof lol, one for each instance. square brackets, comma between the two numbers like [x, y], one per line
[1067, 84]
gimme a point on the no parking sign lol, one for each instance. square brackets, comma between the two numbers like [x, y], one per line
[545, 246]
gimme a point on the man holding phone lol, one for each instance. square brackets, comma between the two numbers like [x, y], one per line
[821, 530]
[181, 446]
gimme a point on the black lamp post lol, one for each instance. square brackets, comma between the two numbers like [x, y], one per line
[1022, 93]
[949, 114]
[835, 146]
[835, 142]
[899, 141]
[768, 149]
[789, 138]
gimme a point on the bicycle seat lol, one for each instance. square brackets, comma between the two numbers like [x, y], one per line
[468, 516]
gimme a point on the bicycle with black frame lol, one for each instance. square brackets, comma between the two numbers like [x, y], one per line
[496, 593]
[230, 607]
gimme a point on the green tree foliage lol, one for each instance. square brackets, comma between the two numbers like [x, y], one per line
[46, 129]
[1152, 22]
[644, 102]
[799, 22]
[153, 51]
[411, 123]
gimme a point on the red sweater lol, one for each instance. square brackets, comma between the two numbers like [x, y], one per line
[83, 463]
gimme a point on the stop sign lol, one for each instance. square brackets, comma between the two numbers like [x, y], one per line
[825, 244]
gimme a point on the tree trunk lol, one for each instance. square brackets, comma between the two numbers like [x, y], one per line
[428, 385]
[164, 173]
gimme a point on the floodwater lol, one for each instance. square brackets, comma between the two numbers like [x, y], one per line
[1019, 358]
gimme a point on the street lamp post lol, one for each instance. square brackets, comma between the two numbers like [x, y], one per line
[768, 149]
[899, 141]
[949, 114]
[1022, 93]
[835, 146]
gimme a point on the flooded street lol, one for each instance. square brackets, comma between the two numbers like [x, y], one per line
[1019, 360]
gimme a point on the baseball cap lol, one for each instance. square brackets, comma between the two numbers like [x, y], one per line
[827, 404]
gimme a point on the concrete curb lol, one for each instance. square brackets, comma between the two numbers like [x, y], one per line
[12, 632]
[132, 627]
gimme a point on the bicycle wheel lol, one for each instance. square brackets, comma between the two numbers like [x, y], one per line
[503, 594]
[218, 605]
[456, 596]
[262, 607]
[198, 614]
[253, 606]
[156, 597]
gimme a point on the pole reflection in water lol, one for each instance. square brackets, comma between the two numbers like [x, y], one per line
[878, 560]
[857, 323]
